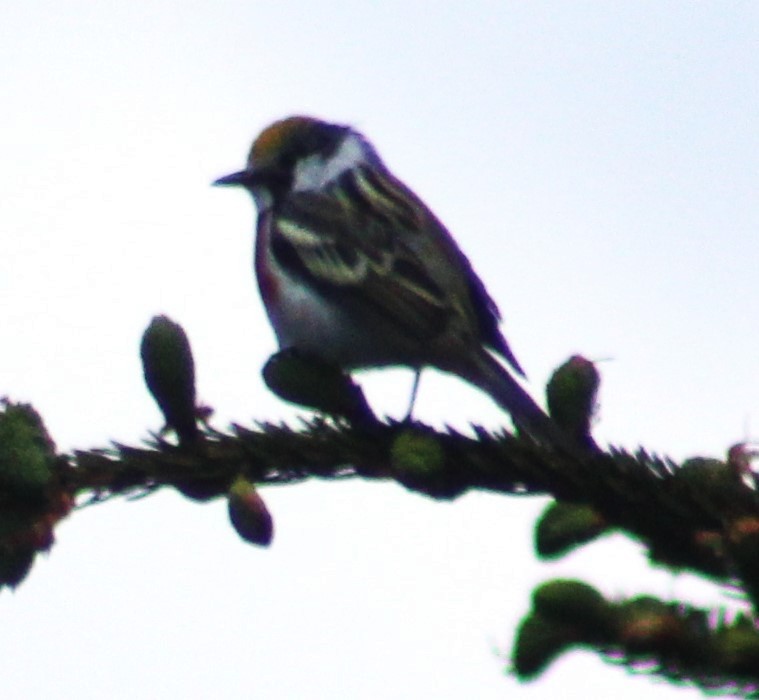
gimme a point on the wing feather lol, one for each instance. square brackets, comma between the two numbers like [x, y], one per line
[369, 236]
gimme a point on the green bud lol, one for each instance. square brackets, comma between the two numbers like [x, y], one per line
[571, 602]
[27, 454]
[309, 381]
[418, 461]
[707, 475]
[169, 370]
[417, 454]
[565, 526]
[539, 641]
[249, 514]
[571, 395]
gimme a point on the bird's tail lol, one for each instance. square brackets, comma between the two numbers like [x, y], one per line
[486, 373]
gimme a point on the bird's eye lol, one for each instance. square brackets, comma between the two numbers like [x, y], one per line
[278, 178]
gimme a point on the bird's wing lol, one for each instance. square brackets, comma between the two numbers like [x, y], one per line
[351, 240]
[446, 263]
[369, 235]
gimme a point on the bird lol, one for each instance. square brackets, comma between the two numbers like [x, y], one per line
[355, 269]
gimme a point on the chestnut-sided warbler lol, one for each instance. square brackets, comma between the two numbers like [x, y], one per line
[354, 268]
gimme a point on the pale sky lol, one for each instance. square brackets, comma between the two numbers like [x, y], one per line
[599, 164]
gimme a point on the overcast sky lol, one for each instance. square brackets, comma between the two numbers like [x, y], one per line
[597, 161]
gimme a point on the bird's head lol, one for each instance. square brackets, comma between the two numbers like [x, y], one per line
[299, 154]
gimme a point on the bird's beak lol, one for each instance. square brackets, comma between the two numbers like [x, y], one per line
[242, 178]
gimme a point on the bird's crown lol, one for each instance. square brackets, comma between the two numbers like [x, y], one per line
[288, 140]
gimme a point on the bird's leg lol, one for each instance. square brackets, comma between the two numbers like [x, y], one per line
[414, 390]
